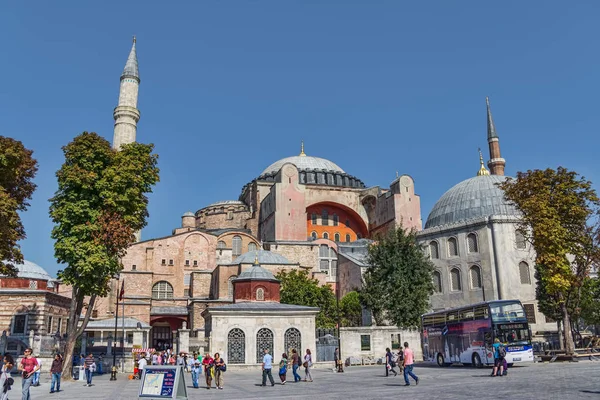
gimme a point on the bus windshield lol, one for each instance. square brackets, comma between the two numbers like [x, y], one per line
[507, 312]
[513, 334]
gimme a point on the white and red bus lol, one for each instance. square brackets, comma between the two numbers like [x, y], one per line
[466, 334]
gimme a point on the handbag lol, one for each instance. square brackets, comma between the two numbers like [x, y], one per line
[223, 367]
[282, 370]
[305, 364]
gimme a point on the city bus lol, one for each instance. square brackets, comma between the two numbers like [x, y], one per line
[466, 334]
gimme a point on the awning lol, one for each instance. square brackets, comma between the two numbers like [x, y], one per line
[142, 351]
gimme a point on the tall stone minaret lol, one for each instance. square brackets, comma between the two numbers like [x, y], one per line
[496, 163]
[126, 113]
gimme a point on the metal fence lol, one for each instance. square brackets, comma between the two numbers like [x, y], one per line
[326, 344]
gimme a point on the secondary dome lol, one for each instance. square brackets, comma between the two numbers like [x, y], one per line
[303, 163]
[30, 270]
[472, 198]
[264, 257]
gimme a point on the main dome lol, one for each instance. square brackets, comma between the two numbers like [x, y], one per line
[303, 163]
[472, 198]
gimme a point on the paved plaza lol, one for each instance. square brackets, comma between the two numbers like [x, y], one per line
[534, 381]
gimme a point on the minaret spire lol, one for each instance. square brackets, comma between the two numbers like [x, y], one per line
[302, 154]
[126, 114]
[496, 163]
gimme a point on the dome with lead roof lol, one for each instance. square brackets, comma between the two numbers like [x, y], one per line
[470, 199]
[30, 270]
[303, 162]
[264, 257]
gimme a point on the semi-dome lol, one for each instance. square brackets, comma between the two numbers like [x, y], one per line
[303, 162]
[472, 198]
[30, 270]
[264, 257]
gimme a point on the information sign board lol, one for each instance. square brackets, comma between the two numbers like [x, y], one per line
[162, 382]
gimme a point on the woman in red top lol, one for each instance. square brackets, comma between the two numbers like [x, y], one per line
[208, 364]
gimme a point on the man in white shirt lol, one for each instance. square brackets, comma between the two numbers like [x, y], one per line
[154, 359]
[141, 365]
[267, 365]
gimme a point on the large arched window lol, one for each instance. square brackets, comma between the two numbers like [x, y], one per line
[521, 243]
[221, 244]
[472, 244]
[452, 247]
[292, 340]
[324, 218]
[264, 340]
[313, 218]
[325, 235]
[251, 246]
[260, 294]
[475, 273]
[230, 286]
[524, 273]
[455, 283]
[236, 346]
[336, 220]
[348, 238]
[162, 290]
[437, 282]
[434, 252]
[236, 244]
[313, 235]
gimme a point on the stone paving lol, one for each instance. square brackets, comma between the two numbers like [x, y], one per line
[533, 381]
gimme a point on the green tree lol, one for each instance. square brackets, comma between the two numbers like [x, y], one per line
[101, 201]
[398, 281]
[351, 309]
[558, 208]
[17, 170]
[300, 289]
[590, 301]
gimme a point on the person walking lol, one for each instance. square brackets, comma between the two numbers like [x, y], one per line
[307, 366]
[5, 383]
[56, 371]
[390, 363]
[27, 366]
[141, 365]
[408, 363]
[499, 353]
[90, 367]
[267, 365]
[283, 368]
[196, 372]
[36, 374]
[296, 362]
[209, 363]
[219, 371]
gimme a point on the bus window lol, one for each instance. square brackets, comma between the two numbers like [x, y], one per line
[506, 312]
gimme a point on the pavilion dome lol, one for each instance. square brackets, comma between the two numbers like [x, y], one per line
[30, 270]
[470, 199]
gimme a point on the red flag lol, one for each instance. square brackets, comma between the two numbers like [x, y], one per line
[122, 293]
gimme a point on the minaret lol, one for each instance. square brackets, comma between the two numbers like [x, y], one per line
[126, 113]
[496, 163]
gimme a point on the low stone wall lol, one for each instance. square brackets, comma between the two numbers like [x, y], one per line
[355, 350]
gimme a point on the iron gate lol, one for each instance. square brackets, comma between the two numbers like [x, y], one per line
[326, 344]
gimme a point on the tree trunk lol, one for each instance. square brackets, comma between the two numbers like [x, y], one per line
[567, 332]
[73, 331]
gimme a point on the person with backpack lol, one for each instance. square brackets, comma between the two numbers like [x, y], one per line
[296, 363]
[220, 369]
[499, 354]
[5, 379]
[390, 363]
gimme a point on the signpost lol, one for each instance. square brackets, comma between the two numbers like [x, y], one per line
[163, 382]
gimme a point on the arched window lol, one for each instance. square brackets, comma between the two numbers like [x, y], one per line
[455, 283]
[236, 346]
[260, 294]
[313, 235]
[336, 220]
[452, 247]
[292, 340]
[221, 244]
[264, 340]
[236, 244]
[325, 235]
[472, 243]
[324, 218]
[434, 252]
[313, 217]
[524, 273]
[336, 237]
[437, 282]
[521, 244]
[251, 246]
[230, 286]
[162, 290]
[475, 273]
[348, 239]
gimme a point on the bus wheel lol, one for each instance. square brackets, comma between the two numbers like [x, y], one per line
[440, 360]
[477, 361]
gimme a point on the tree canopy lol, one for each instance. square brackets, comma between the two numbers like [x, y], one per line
[17, 170]
[101, 201]
[297, 287]
[351, 309]
[560, 212]
[398, 281]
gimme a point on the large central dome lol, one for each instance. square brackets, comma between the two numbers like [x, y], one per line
[472, 198]
[303, 163]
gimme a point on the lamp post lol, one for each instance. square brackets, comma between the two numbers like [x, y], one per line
[113, 371]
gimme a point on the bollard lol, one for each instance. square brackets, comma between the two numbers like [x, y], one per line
[113, 373]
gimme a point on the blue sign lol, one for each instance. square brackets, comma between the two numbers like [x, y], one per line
[163, 382]
[445, 331]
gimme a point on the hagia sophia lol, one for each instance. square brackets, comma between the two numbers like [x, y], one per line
[300, 213]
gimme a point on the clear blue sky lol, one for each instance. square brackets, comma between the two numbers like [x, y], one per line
[228, 87]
